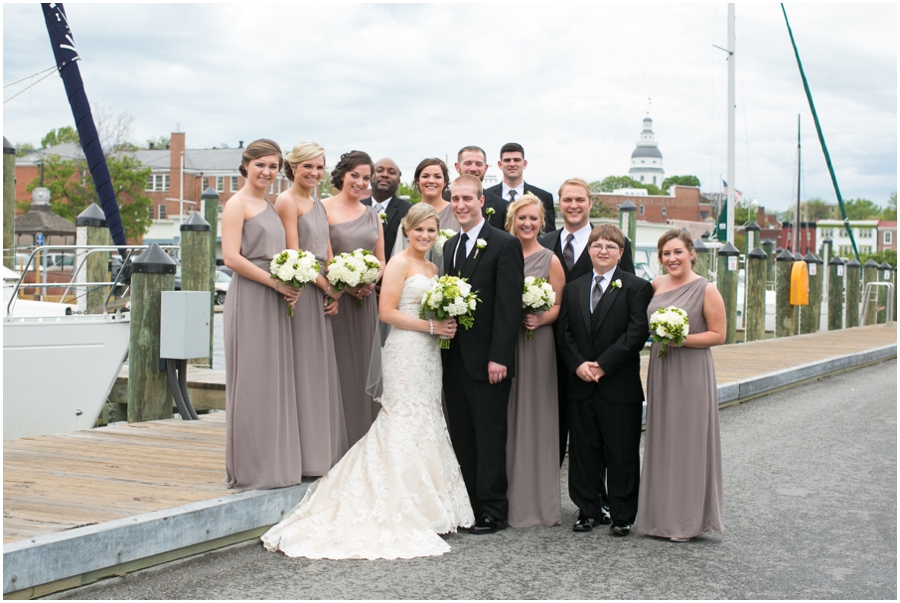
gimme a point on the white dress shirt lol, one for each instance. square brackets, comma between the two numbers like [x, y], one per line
[605, 280]
[384, 205]
[520, 190]
[472, 233]
[579, 242]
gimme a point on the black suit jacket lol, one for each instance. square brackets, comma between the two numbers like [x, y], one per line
[396, 211]
[614, 340]
[545, 197]
[498, 219]
[497, 274]
[583, 265]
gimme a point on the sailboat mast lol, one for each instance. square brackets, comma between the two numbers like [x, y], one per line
[797, 214]
[730, 193]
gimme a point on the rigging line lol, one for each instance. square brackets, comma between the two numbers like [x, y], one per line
[712, 100]
[33, 75]
[29, 87]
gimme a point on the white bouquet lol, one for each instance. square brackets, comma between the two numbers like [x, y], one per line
[351, 269]
[449, 297]
[444, 235]
[537, 296]
[668, 325]
[296, 268]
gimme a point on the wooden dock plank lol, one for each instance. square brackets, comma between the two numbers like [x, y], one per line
[58, 482]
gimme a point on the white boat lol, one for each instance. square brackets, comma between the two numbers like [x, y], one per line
[58, 367]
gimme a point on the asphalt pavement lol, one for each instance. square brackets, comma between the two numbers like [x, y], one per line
[810, 485]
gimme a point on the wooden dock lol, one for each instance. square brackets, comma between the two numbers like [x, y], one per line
[59, 484]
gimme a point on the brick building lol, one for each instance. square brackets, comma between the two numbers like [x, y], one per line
[682, 204]
[807, 237]
[887, 235]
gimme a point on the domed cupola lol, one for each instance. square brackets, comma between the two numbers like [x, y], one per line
[646, 160]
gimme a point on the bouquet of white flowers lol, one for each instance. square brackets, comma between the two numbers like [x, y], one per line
[351, 269]
[537, 296]
[295, 268]
[668, 325]
[449, 297]
[444, 235]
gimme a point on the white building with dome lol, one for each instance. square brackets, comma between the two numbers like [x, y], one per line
[646, 160]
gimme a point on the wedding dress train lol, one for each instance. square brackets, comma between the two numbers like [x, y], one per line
[398, 487]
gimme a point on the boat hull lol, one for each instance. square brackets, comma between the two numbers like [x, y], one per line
[59, 370]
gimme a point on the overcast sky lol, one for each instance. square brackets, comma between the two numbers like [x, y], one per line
[570, 83]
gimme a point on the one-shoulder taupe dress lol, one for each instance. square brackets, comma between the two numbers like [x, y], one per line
[323, 431]
[681, 482]
[262, 445]
[355, 329]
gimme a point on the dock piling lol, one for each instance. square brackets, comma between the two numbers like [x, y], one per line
[210, 200]
[853, 274]
[755, 286]
[811, 314]
[701, 266]
[93, 221]
[195, 234]
[784, 311]
[9, 205]
[870, 275]
[835, 294]
[726, 282]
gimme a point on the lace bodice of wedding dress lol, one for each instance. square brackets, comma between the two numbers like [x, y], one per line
[398, 487]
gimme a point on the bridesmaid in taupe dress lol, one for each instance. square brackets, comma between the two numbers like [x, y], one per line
[532, 444]
[353, 226]
[262, 445]
[681, 482]
[431, 179]
[323, 431]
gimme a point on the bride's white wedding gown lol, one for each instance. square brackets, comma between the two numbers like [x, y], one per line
[400, 485]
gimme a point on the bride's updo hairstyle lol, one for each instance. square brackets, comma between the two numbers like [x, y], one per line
[301, 152]
[260, 148]
[417, 214]
[350, 161]
[676, 234]
[515, 206]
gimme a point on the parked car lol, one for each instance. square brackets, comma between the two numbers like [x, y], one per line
[222, 282]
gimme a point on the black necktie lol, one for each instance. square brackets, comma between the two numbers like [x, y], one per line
[596, 293]
[461, 252]
[569, 252]
[512, 195]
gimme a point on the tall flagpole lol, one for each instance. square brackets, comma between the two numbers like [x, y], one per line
[730, 192]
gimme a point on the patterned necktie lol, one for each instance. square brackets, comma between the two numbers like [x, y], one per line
[512, 195]
[569, 251]
[379, 208]
[596, 293]
[461, 252]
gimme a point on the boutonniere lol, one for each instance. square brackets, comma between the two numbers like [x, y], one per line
[490, 212]
[383, 217]
[616, 284]
[479, 245]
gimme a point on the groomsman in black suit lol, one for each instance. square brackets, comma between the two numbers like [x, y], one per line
[512, 163]
[385, 183]
[602, 328]
[473, 161]
[480, 363]
[569, 243]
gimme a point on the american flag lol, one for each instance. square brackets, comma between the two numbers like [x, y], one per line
[738, 195]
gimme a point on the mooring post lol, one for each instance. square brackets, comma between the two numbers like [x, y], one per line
[784, 311]
[726, 282]
[211, 212]
[93, 221]
[751, 237]
[755, 285]
[811, 314]
[884, 273]
[835, 294]
[628, 222]
[825, 256]
[149, 397]
[768, 245]
[195, 234]
[852, 279]
[894, 281]
[9, 205]
[870, 275]
[701, 266]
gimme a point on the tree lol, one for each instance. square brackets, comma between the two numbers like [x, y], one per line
[325, 187]
[885, 255]
[72, 190]
[407, 190]
[59, 136]
[114, 130]
[23, 148]
[861, 209]
[160, 142]
[682, 180]
[890, 212]
[813, 210]
[611, 183]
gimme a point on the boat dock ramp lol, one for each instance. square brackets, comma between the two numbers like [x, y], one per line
[86, 505]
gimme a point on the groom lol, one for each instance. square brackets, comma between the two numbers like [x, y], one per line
[480, 363]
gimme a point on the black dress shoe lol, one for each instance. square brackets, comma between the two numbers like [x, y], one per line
[620, 528]
[585, 524]
[605, 519]
[487, 524]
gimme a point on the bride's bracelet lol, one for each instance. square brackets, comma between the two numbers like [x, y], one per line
[431, 326]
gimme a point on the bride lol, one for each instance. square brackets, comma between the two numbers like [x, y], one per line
[400, 485]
